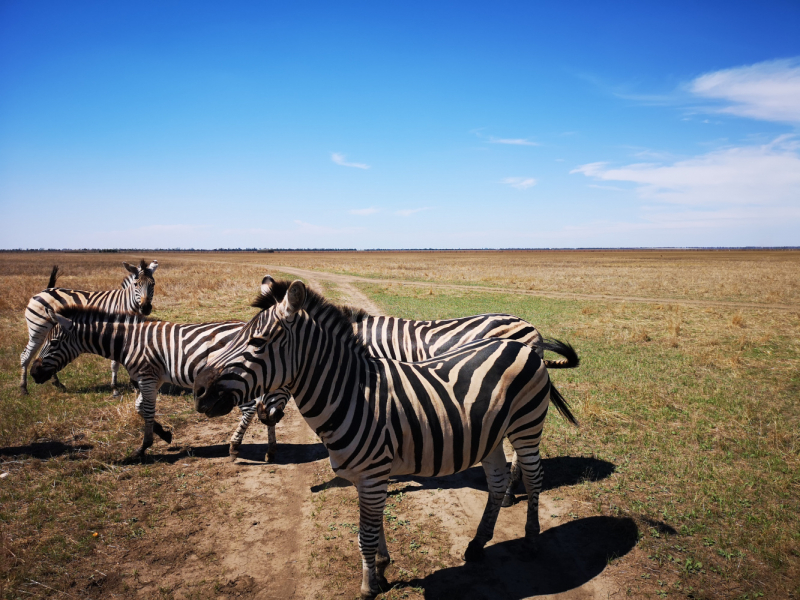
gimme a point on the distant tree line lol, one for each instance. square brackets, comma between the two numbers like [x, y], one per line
[271, 250]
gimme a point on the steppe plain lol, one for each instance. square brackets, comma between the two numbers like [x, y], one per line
[682, 481]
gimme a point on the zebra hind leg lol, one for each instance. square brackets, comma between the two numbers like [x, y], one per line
[248, 412]
[36, 338]
[531, 466]
[496, 470]
[371, 501]
[516, 475]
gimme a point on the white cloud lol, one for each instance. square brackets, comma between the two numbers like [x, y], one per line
[520, 183]
[339, 159]
[767, 90]
[364, 211]
[513, 141]
[749, 175]
[407, 212]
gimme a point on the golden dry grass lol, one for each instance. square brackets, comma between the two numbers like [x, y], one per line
[744, 276]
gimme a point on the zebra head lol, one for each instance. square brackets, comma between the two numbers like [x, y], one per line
[261, 358]
[140, 285]
[58, 350]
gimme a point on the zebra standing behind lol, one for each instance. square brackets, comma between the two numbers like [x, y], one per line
[136, 296]
[382, 417]
[153, 352]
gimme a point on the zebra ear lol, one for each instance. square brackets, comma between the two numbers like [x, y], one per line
[57, 319]
[130, 268]
[153, 266]
[266, 284]
[295, 297]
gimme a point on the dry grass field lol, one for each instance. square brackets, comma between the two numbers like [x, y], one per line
[684, 474]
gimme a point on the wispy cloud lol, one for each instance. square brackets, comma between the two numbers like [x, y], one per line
[765, 175]
[490, 139]
[339, 159]
[363, 211]
[513, 141]
[407, 212]
[520, 183]
[769, 90]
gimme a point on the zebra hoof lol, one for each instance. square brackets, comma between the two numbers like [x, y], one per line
[59, 386]
[115, 393]
[23, 390]
[474, 552]
[508, 500]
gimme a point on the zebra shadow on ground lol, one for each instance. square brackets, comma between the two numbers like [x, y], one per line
[569, 556]
[249, 454]
[46, 450]
[558, 471]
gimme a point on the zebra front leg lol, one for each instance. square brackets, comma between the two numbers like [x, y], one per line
[146, 407]
[516, 474]
[371, 500]
[272, 444]
[382, 559]
[114, 370]
[248, 412]
[496, 471]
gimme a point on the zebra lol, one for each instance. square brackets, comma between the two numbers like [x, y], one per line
[380, 417]
[154, 352]
[136, 295]
[411, 341]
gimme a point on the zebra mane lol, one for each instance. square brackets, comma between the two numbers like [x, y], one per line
[75, 311]
[270, 298]
[315, 304]
[353, 314]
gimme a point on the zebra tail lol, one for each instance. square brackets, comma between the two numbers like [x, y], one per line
[53, 277]
[570, 360]
[562, 406]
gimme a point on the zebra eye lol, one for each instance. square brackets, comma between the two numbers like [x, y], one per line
[258, 343]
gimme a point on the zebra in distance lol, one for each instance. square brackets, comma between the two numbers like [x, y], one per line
[411, 341]
[379, 417]
[135, 295]
[153, 352]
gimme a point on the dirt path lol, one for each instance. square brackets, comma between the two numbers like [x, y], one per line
[348, 280]
[266, 543]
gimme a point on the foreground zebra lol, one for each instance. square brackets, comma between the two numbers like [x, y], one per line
[153, 352]
[136, 295]
[381, 417]
[411, 341]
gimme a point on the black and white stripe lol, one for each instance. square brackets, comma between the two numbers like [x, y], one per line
[380, 417]
[153, 352]
[135, 295]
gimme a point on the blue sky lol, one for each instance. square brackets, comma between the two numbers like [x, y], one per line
[458, 125]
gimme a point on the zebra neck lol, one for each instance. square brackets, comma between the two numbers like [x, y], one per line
[332, 375]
